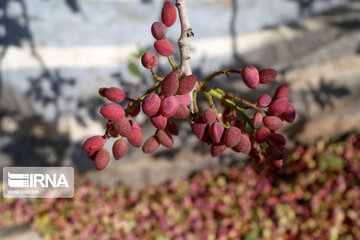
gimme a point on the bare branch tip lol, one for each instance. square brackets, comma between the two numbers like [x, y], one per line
[189, 32]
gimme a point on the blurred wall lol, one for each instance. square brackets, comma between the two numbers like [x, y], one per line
[56, 54]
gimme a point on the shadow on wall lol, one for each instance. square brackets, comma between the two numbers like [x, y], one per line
[16, 30]
[305, 7]
[34, 141]
[322, 94]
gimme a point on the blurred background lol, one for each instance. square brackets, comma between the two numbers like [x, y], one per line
[55, 54]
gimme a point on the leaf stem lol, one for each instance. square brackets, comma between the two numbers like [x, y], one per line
[156, 77]
[213, 107]
[247, 103]
[196, 108]
[230, 103]
[233, 98]
[171, 61]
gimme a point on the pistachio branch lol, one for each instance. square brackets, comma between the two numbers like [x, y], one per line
[217, 73]
[183, 42]
[247, 103]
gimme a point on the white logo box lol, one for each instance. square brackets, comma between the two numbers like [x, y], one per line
[38, 182]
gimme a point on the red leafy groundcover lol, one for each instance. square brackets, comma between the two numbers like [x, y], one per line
[316, 197]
